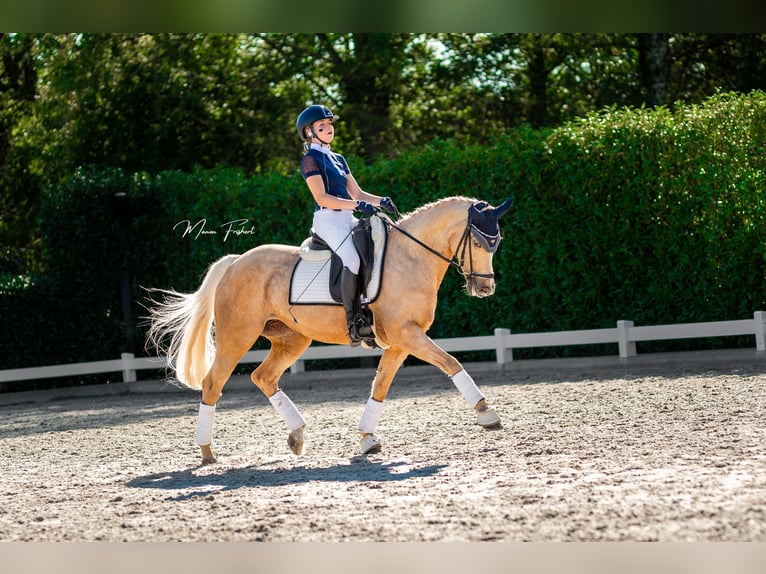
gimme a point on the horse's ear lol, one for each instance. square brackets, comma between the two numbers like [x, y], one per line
[503, 207]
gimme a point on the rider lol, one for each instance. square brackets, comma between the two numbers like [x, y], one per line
[337, 195]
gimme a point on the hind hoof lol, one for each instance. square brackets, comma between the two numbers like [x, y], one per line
[295, 441]
[207, 455]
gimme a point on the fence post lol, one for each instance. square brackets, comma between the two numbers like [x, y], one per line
[504, 354]
[128, 373]
[627, 347]
[297, 367]
[759, 317]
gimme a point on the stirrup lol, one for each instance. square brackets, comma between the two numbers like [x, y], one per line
[359, 328]
[364, 331]
[360, 332]
[371, 344]
[364, 324]
[353, 335]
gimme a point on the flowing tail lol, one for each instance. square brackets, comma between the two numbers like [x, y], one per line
[180, 327]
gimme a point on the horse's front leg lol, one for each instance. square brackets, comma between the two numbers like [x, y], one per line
[389, 364]
[422, 347]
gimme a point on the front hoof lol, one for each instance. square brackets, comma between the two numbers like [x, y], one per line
[369, 444]
[295, 441]
[489, 419]
[207, 455]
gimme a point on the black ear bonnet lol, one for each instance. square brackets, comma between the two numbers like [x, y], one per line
[483, 221]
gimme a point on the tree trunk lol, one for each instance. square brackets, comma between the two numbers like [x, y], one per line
[654, 67]
[369, 79]
[538, 86]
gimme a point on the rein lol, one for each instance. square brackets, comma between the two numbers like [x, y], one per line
[464, 242]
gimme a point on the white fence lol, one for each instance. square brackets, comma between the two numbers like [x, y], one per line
[625, 334]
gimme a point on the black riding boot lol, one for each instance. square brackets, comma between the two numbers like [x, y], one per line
[349, 292]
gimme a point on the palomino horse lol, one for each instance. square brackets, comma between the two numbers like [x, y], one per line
[247, 297]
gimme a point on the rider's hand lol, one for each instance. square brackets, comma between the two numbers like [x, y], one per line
[364, 208]
[387, 204]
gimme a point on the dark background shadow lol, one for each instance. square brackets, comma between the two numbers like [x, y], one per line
[360, 470]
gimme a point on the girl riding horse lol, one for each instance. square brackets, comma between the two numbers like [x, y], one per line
[336, 196]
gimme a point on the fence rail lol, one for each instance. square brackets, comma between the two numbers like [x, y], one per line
[625, 334]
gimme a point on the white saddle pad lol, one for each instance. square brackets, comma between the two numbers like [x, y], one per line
[310, 283]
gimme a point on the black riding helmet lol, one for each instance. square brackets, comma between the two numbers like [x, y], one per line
[310, 115]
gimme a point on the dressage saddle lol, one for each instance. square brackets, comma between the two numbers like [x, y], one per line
[362, 239]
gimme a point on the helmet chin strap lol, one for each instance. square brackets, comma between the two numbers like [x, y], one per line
[314, 136]
[320, 140]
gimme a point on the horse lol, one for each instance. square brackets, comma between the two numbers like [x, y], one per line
[204, 334]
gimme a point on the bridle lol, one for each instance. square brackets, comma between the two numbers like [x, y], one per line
[464, 244]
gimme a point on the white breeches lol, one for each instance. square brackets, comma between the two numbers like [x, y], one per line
[334, 227]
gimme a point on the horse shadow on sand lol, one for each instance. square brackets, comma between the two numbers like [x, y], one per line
[203, 483]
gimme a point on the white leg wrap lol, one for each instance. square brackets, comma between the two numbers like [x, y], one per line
[285, 407]
[370, 416]
[205, 424]
[467, 388]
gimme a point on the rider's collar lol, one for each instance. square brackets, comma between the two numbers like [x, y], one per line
[320, 147]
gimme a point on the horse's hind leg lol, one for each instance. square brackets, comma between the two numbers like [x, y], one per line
[225, 361]
[286, 347]
[234, 337]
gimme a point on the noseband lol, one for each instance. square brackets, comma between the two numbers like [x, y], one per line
[466, 244]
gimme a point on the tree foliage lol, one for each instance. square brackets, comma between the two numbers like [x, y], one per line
[155, 102]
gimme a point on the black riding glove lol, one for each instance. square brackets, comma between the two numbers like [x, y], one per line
[388, 204]
[364, 209]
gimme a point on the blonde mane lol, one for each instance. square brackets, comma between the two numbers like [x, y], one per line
[445, 200]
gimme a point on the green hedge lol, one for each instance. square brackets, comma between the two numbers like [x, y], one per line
[647, 215]
[652, 215]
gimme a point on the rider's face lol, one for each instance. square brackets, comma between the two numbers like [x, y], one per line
[324, 130]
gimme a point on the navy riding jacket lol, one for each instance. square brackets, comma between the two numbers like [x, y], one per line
[332, 167]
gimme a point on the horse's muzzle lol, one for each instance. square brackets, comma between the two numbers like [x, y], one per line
[480, 286]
